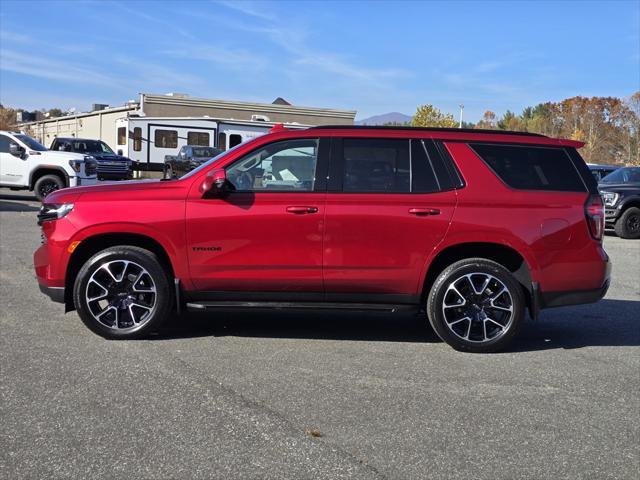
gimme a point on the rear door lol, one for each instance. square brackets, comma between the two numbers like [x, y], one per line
[266, 236]
[388, 206]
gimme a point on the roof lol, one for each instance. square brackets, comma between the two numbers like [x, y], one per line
[429, 129]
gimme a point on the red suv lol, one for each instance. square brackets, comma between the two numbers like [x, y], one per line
[474, 226]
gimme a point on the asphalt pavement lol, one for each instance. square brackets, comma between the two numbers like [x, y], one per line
[245, 394]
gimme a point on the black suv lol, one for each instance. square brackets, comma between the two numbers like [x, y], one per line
[620, 192]
[111, 166]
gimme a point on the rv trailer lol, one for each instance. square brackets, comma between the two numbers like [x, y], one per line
[147, 140]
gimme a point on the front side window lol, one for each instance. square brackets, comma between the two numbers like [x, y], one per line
[376, 165]
[4, 143]
[122, 135]
[198, 138]
[166, 139]
[289, 165]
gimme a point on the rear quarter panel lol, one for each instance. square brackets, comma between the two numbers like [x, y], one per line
[547, 228]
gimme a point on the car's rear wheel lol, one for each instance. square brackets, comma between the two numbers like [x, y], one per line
[476, 305]
[47, 184]
[122, 293]
[628, 225]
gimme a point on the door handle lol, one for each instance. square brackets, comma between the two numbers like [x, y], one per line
[423, 212]
[302, 210]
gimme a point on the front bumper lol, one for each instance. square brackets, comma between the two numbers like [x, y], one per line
[54, 293]
[611, 215]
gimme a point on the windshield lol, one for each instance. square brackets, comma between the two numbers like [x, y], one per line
[623, 175]
[208, 163]
[31, 143]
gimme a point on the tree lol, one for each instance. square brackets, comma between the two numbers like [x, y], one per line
[488, 120]
[55, 112]
[430, 116]
[7, 118]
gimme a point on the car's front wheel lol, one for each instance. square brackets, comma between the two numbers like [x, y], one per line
[47, 184]
[628, 225]
[123, 292]
[476, 305]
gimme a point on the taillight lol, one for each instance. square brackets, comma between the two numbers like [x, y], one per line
[594, 213]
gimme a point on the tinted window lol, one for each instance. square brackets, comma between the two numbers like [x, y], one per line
[222, 140]
[376, 165]
[122, 135]
[234, 140]
[166, 139]
[4, 143]
[287, 165]
[137, 139]
[532, 168]
[198, 138]
[205, 151]
[423, 174]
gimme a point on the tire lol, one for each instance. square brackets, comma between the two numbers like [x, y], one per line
[47, 184]
[123, 293]
[453, 299]
[168, 172]
[628, 224]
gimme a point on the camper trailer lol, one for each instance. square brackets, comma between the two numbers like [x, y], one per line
[147, 140]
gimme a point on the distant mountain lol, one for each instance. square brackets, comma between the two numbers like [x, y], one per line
[393, 117]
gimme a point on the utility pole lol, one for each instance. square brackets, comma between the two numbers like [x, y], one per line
[461, 112]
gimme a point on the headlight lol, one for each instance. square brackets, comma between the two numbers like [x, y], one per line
[610, 198]
[51, 211]
[75, 164]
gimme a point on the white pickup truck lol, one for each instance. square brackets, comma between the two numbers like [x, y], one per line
[27, 165]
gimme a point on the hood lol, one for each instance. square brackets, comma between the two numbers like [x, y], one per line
[70, 195]
[57, 155]
[619, 187]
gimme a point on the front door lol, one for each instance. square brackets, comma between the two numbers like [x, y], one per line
[266, 236]
[388, 211]
[13, 169]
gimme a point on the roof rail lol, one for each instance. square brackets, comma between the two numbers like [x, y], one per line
[427, 129]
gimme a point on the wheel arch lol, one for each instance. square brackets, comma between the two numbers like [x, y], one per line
[47, 170]
[95, 243]
[505, 255]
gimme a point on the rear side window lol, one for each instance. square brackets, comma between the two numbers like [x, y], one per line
[376, 165]
[531, 168]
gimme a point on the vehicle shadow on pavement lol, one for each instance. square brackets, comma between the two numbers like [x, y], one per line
[328, 325]
[16, 206]
[607, 323]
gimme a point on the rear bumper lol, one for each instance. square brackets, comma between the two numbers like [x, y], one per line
[54, 293]
[576, 297]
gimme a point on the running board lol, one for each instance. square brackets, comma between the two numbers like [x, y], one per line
[202, 306]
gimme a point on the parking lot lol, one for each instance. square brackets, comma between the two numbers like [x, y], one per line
[313, 395]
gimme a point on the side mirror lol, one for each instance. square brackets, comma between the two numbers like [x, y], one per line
[216, 184]
[119, 152]
[16, 150]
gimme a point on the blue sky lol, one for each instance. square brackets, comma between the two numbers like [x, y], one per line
[373, 57]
